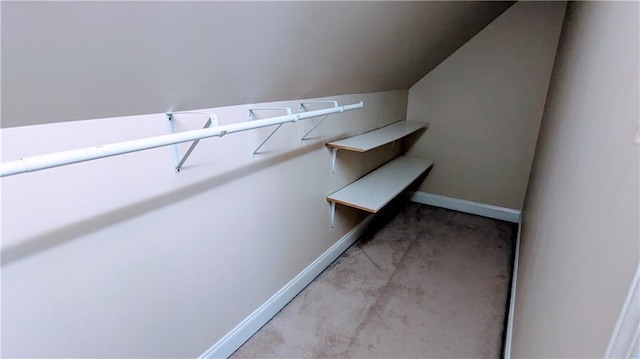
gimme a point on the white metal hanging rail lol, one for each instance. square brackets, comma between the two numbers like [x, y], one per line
[36, 163]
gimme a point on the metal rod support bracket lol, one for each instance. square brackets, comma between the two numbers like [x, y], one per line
[250, 115]
[211, 121]
[301, 104]
[301, 108]
[252, 110]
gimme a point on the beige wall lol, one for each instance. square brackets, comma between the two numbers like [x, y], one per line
[485, 104]
[64, 61]
[122, 257]
[580, 239]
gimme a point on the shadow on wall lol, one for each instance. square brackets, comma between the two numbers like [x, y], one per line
[412, 139]
[66, 234]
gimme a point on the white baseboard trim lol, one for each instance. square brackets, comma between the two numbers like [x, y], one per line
[251, 324]
[461, 205]
[625, 339]
[512, 299]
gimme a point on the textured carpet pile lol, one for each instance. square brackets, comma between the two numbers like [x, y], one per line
[429, 283]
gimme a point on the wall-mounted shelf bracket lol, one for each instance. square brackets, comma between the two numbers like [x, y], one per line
[250, 115]
[333, 214]
[334, 155]
[301, 108]
[212, 120]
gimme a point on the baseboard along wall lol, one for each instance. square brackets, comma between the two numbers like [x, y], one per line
[250, 325]
[461, 205]
[625, 340]
[512, 299]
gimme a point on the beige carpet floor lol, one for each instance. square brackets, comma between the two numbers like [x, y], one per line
[429, 283]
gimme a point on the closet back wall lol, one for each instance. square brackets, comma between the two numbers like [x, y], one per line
[485, 104]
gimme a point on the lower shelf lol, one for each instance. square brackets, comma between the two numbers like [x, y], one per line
[373, 191]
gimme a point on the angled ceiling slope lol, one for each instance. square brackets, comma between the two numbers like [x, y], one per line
[64, 61]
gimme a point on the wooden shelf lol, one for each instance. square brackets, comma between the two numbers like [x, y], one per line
[373, 191]
[376, 138]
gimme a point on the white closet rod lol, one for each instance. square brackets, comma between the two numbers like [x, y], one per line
[36, 163]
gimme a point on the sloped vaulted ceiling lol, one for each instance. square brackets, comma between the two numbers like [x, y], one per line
[64, 61]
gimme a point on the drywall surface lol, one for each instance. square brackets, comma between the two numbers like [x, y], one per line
[122, 257]
[485, 104]
[580, 235]
[64, 61]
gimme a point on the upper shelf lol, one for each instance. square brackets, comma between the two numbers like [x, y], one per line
[376, 138]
